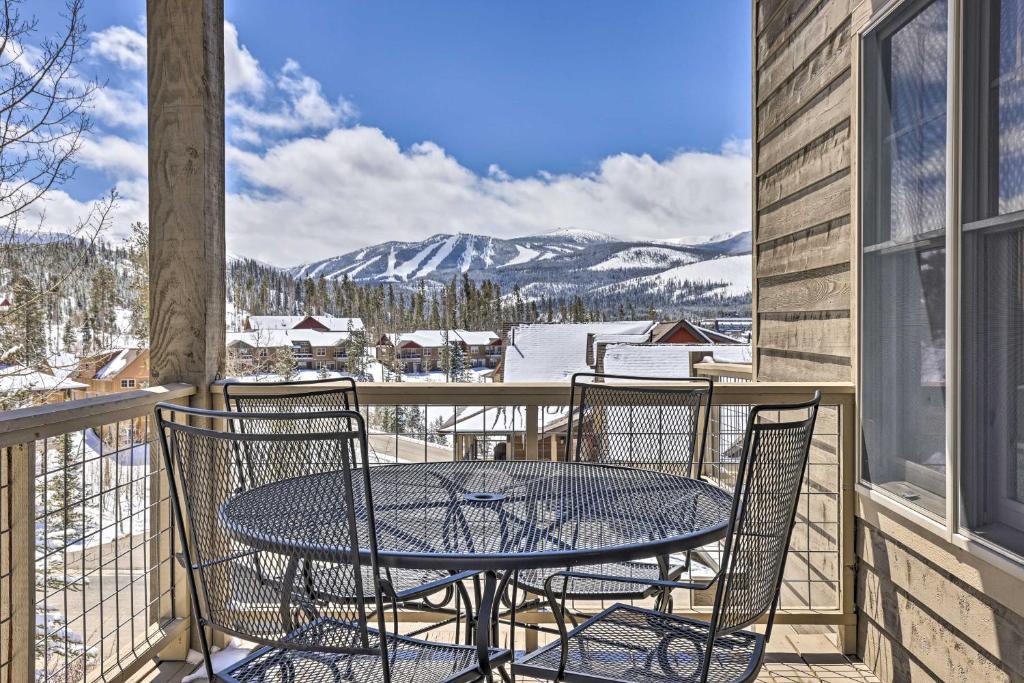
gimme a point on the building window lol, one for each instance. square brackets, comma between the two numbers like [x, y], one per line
[321, 352]
[903, 347]
[992, 257]
[127, 384]
[263, 353]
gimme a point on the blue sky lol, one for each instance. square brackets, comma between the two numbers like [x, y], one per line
[494, 117]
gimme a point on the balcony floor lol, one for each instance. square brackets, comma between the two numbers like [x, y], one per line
[795, 655]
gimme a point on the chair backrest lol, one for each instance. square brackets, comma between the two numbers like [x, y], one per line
[768, 480]
[254, 590]
[640, 425]
[308, 398]
[291, 397]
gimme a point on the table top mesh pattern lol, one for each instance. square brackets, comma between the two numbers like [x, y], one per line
[488, 515]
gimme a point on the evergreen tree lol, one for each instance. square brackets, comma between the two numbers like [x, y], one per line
[284, 363]
[24, 327]
[138, 280]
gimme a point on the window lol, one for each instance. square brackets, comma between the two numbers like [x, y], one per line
[992, 257]
[127, 384]
[321, 352]
[263, 353]
[903, 346]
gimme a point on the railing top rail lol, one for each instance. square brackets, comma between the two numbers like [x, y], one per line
[557, 393]
[743, 370]
[40, 422]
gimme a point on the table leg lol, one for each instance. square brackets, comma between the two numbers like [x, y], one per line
[484, 626]
[487, 621]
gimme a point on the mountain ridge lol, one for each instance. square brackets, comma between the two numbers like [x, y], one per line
[608, 270]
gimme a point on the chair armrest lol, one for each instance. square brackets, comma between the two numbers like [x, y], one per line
[655, 583]
[432, 586]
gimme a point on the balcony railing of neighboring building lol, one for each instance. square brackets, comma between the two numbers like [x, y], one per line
[112, 579]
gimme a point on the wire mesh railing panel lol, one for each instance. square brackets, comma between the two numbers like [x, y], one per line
[104, 562]
[438, 433]
[811, 580]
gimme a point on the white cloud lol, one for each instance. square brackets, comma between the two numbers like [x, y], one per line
[242, 72]
[121, 45]
[316, 196]
[310, 187]
[117, 156]
[301, 107]
[114, 107]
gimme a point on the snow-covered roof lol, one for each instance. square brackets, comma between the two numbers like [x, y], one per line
[287, 322]
[118, 362]
[336, 324]
[477, 338]
[280, 338]
[553, 352]
[436, 338]
[661, 360]
[15, 378]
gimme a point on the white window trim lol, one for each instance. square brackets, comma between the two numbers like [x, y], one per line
[949, 527]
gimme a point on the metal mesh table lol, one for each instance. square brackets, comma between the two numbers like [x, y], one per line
[489, 515]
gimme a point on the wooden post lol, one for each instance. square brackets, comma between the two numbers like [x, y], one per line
[847, 501]
[186, 191]
[532, 435]
[21, 496]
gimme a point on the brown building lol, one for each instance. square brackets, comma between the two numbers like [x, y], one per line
[420, 351]
[112, 371]
[261, 351]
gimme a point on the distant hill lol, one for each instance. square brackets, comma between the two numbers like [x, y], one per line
[669, 275]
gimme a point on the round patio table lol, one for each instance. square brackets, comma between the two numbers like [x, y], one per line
[491, 516]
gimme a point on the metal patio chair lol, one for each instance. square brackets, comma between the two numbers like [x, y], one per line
[628, 643]
[650, 426]
[310, 397]
[306, 634]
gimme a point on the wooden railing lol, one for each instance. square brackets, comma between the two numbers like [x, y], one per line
[108, 596]
[89, 588]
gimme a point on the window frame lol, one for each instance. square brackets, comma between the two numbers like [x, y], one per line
[886, 22]
[964, 132]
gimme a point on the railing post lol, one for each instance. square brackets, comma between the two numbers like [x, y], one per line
[848, 554]
[532, 431]
[21, 561]
[169, 573]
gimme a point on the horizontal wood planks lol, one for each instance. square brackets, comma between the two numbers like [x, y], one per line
[803, 51]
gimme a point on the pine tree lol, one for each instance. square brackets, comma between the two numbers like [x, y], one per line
[284, 363]
[138, 280]
[69, 339]
[24, 327]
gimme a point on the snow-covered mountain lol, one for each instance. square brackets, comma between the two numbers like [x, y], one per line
[563, 262]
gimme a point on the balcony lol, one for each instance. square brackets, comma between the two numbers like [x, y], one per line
[115, 584]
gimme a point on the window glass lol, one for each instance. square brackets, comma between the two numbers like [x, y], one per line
[903, 347]
[992, 442]
[1007, 92]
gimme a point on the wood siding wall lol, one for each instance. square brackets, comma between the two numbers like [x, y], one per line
[803, 105]
[927, 611]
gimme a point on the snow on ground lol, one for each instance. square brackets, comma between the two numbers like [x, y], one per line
[525, 255]
[644, 257]
[439, 256]
[468, 253]
[488, 253]
[407, 268]
[355, 271]
[732, 273]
